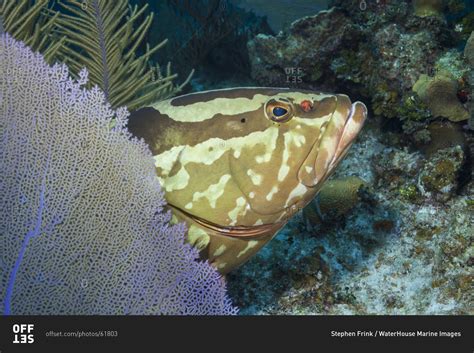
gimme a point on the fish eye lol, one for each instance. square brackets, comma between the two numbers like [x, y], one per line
[279, 111]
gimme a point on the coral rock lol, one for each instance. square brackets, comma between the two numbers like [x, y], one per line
[443, 134]
[403, 55]
[336, 198]
[424, 8]
[302, 54]
[439, 93]
[469, 50]
[439, 177]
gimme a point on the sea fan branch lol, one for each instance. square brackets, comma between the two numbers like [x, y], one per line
[105, 37]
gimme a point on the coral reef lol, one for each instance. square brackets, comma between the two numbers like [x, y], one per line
[403, 245]
[383, 251]
[398, 252]
[365, 52]
[378, 53]
[384, 254]
[390, 233]
[274, 57]
[82, 221]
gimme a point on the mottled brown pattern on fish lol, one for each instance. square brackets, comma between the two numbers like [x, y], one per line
[161, 132]
[226, 167]
[225, 93]
[258, 178]
[225, 252]
[323, 107]
[174, 170]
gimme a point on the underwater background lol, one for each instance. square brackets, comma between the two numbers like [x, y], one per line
[393, 231]
[398, 237]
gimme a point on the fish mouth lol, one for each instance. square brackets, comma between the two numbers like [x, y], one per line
[252, 232]
[334, 141]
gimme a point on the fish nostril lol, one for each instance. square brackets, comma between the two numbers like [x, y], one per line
[306, 105]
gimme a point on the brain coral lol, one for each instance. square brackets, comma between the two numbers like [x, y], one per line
[82, 227]
[439, 93]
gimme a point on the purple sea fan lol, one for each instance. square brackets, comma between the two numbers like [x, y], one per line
[82, 227]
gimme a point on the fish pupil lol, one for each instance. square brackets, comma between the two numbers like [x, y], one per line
[279, 111]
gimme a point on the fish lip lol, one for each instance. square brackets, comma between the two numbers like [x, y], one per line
[348, 137]
[237, 231]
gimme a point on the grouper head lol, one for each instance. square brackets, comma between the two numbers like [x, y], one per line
[242, 161]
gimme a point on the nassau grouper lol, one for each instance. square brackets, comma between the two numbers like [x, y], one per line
[236, 164]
